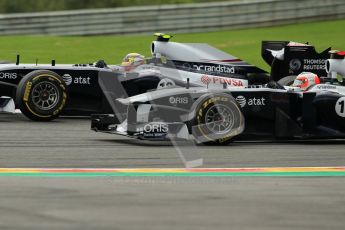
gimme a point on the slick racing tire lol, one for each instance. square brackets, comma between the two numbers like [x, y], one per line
[217, 120]
[287, 81]
[41, 95]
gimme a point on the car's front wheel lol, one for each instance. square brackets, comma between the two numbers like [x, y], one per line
[41, 95]
[218, 119]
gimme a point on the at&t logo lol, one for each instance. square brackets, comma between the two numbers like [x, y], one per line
[67, 79]
[241, 101]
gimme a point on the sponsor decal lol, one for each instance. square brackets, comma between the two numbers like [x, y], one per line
[314, 64]
[257, 101]
[148, 67]
[155, 130]
[242, 101]
[178, 100]
[205, 79]
[215, 68]
[27, 91]
[325, 87]
[67, 79]
[82, 80]
[229, 81]
[295, 64]
[340, 107]
[4, 75]
[186, 66]
[221, 80]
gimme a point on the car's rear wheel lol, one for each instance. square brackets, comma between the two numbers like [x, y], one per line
[218, 119]
[41, 95]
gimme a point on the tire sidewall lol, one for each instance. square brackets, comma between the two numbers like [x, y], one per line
[201, 111]
[25, 90]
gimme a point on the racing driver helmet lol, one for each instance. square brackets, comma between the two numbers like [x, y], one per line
[132, 60]
[305, 80]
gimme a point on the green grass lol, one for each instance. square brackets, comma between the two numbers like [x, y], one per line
[245, 44]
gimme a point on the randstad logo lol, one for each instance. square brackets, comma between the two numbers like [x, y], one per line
[215, 68]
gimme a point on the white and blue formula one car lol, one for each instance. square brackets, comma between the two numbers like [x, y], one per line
[45, 91]
[310, 108]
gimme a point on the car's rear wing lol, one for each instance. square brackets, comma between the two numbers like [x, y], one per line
[292, 58]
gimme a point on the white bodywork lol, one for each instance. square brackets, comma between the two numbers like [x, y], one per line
[196, 79]
[328, 88]
[335, 66]
[7, 105]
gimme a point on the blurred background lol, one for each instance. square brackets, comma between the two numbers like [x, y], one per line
[14, 6]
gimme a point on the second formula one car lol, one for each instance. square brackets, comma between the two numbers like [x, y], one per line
[214, 116]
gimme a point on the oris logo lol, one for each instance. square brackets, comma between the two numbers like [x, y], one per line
[8, 76]
[156, 128]
[178, 100]
[241, 101]
[67, 78]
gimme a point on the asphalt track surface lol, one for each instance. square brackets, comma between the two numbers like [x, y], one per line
[160, 202]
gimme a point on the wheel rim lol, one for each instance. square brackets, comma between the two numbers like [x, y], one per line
[219, 119]
[45, 95]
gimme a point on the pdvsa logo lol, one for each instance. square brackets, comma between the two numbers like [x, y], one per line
[8, 75]
[205, 79]
[228, 81]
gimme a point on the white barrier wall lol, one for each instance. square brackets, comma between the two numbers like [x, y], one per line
[172, 18]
